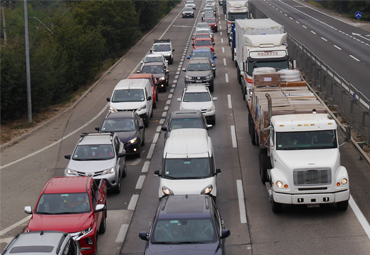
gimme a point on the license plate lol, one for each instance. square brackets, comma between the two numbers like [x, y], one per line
[198, 81]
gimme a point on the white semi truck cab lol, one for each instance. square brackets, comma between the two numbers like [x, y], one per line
[305, 165]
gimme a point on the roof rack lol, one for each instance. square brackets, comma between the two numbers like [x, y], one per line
[162, 40]
[111, 133]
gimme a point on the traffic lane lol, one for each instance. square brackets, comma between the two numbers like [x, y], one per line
[343, 64]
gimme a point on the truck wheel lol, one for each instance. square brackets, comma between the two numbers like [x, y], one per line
[232, 54]
[276, 207]
[238, 75]
[103, 224]
[264, 165]
[253, 134]
[250, 123]
[342, 206]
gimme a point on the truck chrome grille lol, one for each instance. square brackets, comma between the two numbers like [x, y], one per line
[305, 177]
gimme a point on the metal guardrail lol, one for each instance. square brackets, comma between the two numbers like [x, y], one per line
[340, 95]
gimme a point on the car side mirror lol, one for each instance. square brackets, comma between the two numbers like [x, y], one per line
[215, 99]
[67, 156]
[144, 236]
[164, 128]
[122, 154]
[173, 50]
[141, 62]
[149, 98]
[184, 69]
[27, 209]
[213, 43]
[188, 57]
[218, 171]
[108, 99]
[214, 56]
[178, 99]
[97, 129]
[138, 71]
[156, 172]
[209, 126]
[99, 208]
[141, 127]
[225, 233]
[151, 51]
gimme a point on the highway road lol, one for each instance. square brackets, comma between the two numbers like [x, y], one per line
[242, 199]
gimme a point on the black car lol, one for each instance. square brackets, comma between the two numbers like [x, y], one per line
[129, 128]
[184, 119]
[189, 224]
[160, 74]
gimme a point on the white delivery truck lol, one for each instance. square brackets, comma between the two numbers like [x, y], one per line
[235, 9]
[259, 43]
[299, 158]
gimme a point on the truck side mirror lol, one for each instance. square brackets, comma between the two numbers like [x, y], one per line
[156, 172]
[218, 171]
[164, 128]
[108, 99]
[97, 129]
[67, 156]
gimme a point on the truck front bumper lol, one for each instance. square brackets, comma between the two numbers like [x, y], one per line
[322, 198]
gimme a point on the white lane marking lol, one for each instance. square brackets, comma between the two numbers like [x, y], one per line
[313, 32]
[223, 50]
[233, 136]
[220, 27]
[281, 12]
[297, 22]
[166, 108]
[161, 122]
[173, 85]
[174, 81]
[122, 233]
[158, 129]
[243, 215]
[168, 102]
[361, 218]
[227, 78]
[220, 32]
[304, 26]
[164, 114]
[222, 40]
[170, 25]
[337, 47]
[140, 182]
[133, 202]
[172, 90]
[155, 139]
[177, 72]
[224, 61]
[22, 221]
[145, 167]
[324, 39]
[151, 150]
[291, 18]
[286, 14]
[229, 101]
[55, 143]
[135, 162]
[170, 96]
[354, 58]
[176, 76]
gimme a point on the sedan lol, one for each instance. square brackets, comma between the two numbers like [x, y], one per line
[188, 12]
[204, 42]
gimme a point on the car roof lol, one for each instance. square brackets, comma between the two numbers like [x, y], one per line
[95, 138]
[190, 88]
[153, 64]
[141, 76]
[181, 114]
[37, 242]
[154, 55]
[199, 60]
[202, 49]
[203, 39]
[120, 115]
[132, 83]
[76, 184]
[185, 206]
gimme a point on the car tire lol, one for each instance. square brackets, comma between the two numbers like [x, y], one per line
[214, 73]
[138, 154]
[146, 122]
[96, 245]
[124, 173]
[143, 141]
[211, 87]
[103, 224]
[117, 190]
[157, 98]
[155, 105]
[170, 61]
[342, 206]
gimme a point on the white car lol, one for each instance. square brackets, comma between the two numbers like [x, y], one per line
[190, 4]
[198, 97]
[154, 58]
[164, 47]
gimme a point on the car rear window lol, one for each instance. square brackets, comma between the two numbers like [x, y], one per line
[32, 249]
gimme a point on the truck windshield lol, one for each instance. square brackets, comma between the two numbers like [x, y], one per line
[234, 16]
[278, 64]
[187, 168]
[308, 140]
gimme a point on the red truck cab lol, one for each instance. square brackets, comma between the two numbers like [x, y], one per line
[76, 205]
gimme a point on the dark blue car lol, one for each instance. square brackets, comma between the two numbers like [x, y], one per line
[186, 224]
[205, 52]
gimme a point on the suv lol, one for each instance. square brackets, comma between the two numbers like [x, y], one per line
[155, 58]
[203, 53]
[42, 242]
[200, 71]
[188, 224]
[101, 156]
[164, 47]
[198, 97]
[129, 128]
[76, 205]
[184, 119]
[160, 74]
[187, 12]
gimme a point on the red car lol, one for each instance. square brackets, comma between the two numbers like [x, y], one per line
[150, 77]
[76, 205]
[201, 35]
[204, 42]
[212, 22]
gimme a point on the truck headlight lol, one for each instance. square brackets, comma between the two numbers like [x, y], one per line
[167, 191]
[344, 181]
[109, 171]
[142, 107]
[69, 171]
[207, 190]
[133, 140]
[279, 184]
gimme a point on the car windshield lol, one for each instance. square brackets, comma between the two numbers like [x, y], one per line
[184, 231]
[93, 152]
[118, 125]
[190, 2]
[210, 20]
[153, 59]
[199, 67]
[202, 36]
[208, 14]
[203, 43]
[203, 24]
[65, 203]
[187, 168]
[152, 69]
[186, 123]
[206, 29]
[308, 140]
[128, 95]
[197, 97]
[161, 47]
[188, 9]
[202, 54]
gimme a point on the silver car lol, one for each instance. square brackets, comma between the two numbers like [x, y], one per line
[101, 156]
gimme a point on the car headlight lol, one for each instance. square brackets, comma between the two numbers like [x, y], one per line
[69, 171]
[188, 77]
[167, 191]
[133, 140]
[162, 78]
[207, 190]
[82, 233]
[109, 171]
[112, 109]
[142, 108]
[209, 76]
[210, 109]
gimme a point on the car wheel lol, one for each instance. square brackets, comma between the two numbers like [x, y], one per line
[156, 97]
[342, 206]
[96, 245]
[146, 122]
[117, 190]
[155, 105]
[124, 173]
[211, 87]
[103, 224]
[143, 141]
[170, 61]
[138, 154]
[214, 73]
